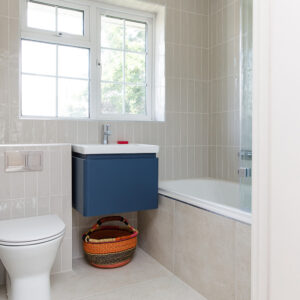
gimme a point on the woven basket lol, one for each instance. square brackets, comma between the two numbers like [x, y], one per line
[110, 246]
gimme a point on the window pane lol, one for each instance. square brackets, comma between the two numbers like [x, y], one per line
[73, 98]
[112, 32]
[38, 58]
[135, 99]
[135, 68]
[73, 62]
[70, 21]
[41, 16]
[38, 96]
[112, 98]
[135, 36]
[112, 65]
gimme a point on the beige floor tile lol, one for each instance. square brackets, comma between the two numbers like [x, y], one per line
[144, 278]
[167, 288]
[86, 280]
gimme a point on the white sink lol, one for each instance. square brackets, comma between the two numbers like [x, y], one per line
[114, 149]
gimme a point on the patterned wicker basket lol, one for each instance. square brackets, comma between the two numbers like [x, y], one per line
[110, 246]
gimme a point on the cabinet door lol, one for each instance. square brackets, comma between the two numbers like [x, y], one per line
[120, 183]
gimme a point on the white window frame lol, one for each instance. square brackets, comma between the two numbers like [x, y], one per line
[148, 19]
[91, 40]
[55, 37]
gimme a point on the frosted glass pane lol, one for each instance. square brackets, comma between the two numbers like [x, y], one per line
[41, 16]
[73, 62]
[38, 96]
[73, 98]
[135, 99]
[70, 21]
[135, 37]
[112, 33]
[38, 58]
[135, 68]
[112, 98]
[112, 65]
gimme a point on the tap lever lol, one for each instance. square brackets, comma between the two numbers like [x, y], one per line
[106, 133]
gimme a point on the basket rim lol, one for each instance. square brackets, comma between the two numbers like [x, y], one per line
[134, 234]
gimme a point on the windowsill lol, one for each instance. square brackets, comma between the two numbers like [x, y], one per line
[89, 119]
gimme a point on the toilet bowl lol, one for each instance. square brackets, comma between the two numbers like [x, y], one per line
[28, 248]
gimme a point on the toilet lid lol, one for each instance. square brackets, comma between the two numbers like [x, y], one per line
[33, 229]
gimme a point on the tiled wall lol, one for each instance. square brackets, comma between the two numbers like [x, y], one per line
[209, 252]
[201, 134]
[28, 194]
[224, 109]
[183, 137]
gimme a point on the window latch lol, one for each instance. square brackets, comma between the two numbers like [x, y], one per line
[59, 34]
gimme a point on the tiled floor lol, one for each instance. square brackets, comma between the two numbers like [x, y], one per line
[144, 278]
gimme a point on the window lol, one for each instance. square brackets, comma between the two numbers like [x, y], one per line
[55, 80]
[70, 71]
[123, 60]
[55, 18]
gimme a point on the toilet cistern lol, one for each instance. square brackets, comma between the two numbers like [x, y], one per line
[106, 133]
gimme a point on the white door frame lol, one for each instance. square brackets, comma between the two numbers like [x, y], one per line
[261, 158]
[276, 148]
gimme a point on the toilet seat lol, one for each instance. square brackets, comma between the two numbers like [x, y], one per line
[30, 231]
[30, 243]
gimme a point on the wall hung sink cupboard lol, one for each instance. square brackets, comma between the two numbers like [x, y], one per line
[110, 179]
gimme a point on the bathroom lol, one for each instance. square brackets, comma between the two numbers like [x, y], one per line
[172, 88]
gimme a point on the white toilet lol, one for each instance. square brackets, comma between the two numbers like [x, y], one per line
[28, 249]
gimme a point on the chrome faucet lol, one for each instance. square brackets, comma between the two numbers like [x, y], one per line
[106, 133]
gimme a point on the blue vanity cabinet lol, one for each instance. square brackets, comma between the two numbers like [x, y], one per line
[114, 183]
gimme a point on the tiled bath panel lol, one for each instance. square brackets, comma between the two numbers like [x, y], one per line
[29, 194]
[209, 252]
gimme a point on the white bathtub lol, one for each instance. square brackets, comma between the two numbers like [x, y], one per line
[217, 196]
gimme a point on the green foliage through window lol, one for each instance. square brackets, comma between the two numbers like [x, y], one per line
[123, 60]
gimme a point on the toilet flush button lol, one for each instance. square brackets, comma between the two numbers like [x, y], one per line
[23, 161]
[34, 161]
[15, 161]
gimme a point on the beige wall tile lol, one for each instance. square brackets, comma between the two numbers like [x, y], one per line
[14, 38]
[13, 8]
[4, 8]
[224, 124]
[4, 30]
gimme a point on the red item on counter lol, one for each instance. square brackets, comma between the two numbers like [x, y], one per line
[122, 142]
